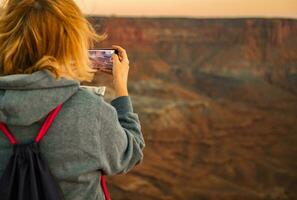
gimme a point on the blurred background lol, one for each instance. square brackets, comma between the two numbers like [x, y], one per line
[214, 84]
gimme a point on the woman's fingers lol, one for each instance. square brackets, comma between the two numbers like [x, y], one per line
[122, 53]
[115, 58]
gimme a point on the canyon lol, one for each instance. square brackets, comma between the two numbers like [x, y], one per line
[217, 101]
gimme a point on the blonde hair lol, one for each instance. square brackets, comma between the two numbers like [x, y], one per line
[46, 34]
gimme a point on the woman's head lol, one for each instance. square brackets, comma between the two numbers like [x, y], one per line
[46, 34]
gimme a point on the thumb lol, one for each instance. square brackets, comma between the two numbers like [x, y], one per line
[115, 57]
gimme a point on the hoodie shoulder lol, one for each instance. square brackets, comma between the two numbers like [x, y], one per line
[86, 96]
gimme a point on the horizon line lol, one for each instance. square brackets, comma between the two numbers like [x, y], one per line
[192, 17]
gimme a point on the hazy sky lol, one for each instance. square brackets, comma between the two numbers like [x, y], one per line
[189, 8]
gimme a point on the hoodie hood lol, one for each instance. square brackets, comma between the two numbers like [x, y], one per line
[27, 98]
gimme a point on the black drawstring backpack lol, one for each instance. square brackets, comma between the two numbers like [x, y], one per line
[27, 176]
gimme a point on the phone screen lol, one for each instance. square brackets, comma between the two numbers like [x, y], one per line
[101, 58]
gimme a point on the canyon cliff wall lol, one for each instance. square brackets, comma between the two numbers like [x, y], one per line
[217, 100]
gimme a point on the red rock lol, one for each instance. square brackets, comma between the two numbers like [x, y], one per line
[217, 100]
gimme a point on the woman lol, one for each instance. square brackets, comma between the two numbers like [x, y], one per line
[43, 58]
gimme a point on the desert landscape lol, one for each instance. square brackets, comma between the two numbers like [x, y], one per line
[217, 100]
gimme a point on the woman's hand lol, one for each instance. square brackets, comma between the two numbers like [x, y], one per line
[119, 71]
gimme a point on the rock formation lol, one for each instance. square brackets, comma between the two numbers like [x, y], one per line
[217, 100]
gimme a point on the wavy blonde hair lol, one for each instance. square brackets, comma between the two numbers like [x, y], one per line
[46, 34]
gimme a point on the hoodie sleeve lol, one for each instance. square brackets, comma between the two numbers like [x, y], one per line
[121, 140]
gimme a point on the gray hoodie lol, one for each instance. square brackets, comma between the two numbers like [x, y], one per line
[87, 138]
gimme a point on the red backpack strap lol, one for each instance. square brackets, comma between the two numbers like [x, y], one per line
[6, 132]
[48, 122]
[50, 118]
[104, 188]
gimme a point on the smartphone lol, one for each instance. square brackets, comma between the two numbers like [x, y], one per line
[101, 58]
